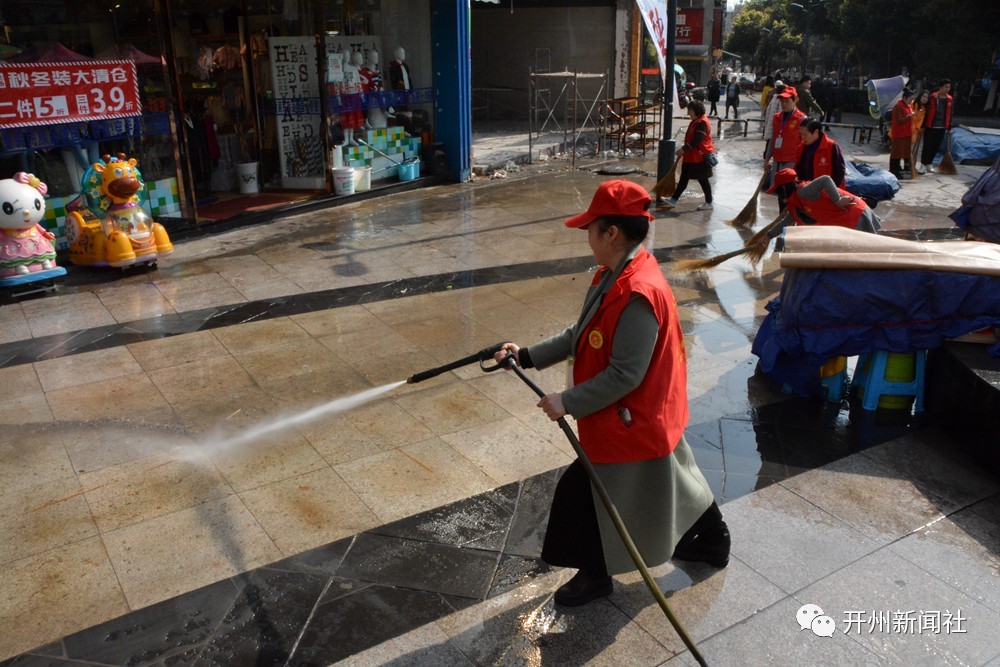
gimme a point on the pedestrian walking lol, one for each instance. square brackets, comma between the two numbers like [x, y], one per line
[629, 397]
[937, 122]
[733, 98]
[713, 90]
[695, 154]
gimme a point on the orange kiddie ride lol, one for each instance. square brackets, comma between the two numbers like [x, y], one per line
[107, 226]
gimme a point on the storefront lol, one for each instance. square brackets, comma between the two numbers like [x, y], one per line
[239, 105]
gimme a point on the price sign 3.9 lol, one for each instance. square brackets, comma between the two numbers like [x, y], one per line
[45, 93]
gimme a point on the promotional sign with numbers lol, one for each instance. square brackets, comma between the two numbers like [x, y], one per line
[63, 92]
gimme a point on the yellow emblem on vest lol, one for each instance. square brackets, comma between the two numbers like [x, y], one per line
[596, 339]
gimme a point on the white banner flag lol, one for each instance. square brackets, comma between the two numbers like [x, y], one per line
[654, 13]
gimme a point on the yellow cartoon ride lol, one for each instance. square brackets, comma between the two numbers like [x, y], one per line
[107, 225]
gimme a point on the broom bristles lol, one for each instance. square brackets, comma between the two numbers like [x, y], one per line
[709, 262]
[947, 165]
[667, 185]
[753, 249]
[747, 218]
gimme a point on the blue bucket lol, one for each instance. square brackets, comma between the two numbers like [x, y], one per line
[409, 170]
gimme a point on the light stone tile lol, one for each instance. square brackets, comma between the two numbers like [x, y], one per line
[179, 552]
[43, 517]
[387, 424]
[137, 491]
[522, 627]
[78, 369]
[790, 541]
[218, 376]
[932, 461]
[773, 637]
[334, 321]
[427, 645]
[451, 407]
[31, 456]
[308, 511]
[708, 600]
[867, 496]
[329, 381]
[98, 445]
[507, 451]
[279, 362]
[276, 456]
[192, 292]
[887, 583]
[132, 397]
[25, 402]
[200, 346]
[57, 593]
[254, 278]
[414, 478]
[337, 440]
[962, 550]
[216, 416]
[255, 337]
[136, 301]
[13, 324]
[64, 313]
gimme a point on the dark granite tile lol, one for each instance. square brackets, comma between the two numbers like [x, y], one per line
[506, 496]
[705, 433]
[474, 520]
[515, 571]
[34, 660]
[262, 626]
[321, 560]
[169, 627]
[349, 624]
[738, 485]
[527, 529]
[424, 566]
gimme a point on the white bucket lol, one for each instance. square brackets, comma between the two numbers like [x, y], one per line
[362, 179]
[246, 176]
[343, 180]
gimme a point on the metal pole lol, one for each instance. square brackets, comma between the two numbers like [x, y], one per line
[665, 153]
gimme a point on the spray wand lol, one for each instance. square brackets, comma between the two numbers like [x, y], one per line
[511, 362]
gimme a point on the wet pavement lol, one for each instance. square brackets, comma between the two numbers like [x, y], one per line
[407, 530]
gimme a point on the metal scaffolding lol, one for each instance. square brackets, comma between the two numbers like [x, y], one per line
[542, 105]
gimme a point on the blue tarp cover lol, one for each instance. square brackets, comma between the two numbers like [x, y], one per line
[865, 180]
[967, 145]
[821, 314]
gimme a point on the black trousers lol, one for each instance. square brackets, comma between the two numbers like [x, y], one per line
[700, 172]
[933, 136]
[573, 538]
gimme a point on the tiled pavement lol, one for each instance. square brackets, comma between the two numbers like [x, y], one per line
[407, 531]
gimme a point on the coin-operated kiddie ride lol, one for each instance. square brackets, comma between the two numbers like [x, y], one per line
[107, 225]
[27, 257]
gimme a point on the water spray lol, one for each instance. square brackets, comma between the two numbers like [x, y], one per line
[509, 361]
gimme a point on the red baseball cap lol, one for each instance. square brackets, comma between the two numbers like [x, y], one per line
[619, 197]
[783, 177]
[787, 92]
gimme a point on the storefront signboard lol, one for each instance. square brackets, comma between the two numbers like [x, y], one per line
[297, 102]
[44, 93]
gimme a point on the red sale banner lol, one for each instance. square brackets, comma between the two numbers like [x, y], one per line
[64, 92]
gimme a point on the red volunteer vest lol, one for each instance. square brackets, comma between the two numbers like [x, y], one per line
[791, 141]
[823, 159]
[648, 422]
[824, 212]
[932, 111]
[697, 154]
[902, 123]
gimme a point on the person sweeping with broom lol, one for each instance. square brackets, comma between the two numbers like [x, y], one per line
[628, 394]
[697, 154]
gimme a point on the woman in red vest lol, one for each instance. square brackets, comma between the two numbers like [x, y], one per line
[821, 202]
[629, 396]
[937, 123]
[697, 145]
[819, 155]
[901, 132]
[784, 147]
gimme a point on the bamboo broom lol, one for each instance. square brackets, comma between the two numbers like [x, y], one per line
[947, 165]
[751, 249]
[747, 218]
[914, 153]
[667, 185]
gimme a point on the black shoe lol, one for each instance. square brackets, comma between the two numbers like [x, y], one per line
[711, 549]
[583, 588]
